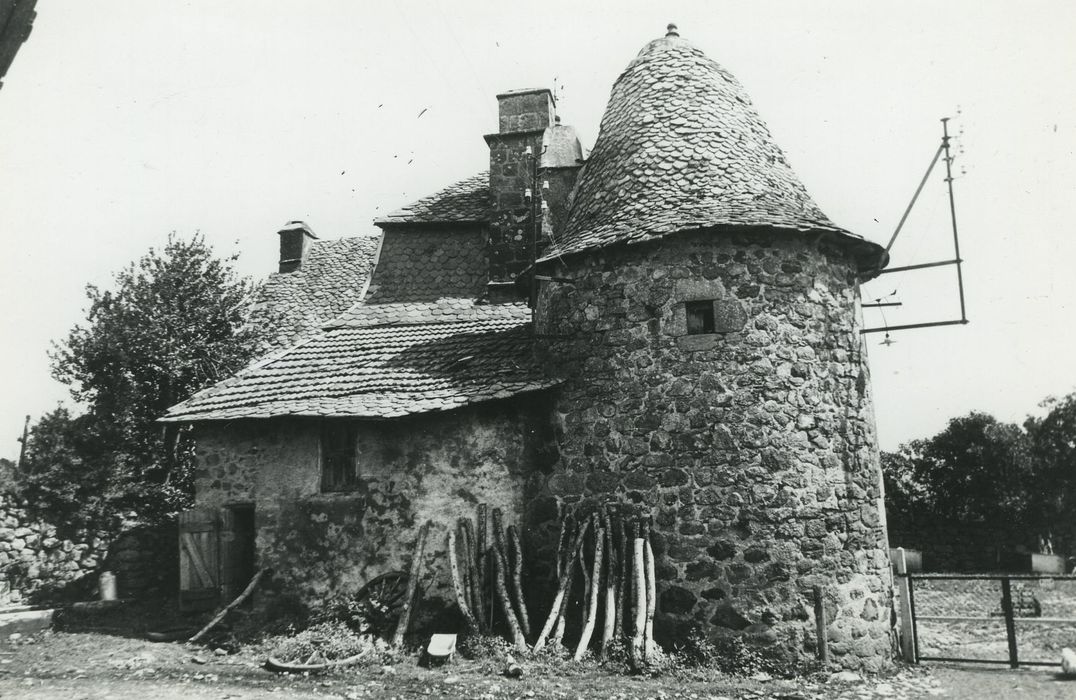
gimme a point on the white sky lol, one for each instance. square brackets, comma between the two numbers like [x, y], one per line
[122, 121]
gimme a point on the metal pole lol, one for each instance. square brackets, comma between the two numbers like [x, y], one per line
[909, 326]
[919, 266]
[952, 213]
[915, 197]
[1010, 625]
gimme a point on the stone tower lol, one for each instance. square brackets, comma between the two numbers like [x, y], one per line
[703, 313]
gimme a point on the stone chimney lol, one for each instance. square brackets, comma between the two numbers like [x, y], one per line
[530, 144]
[295, 239]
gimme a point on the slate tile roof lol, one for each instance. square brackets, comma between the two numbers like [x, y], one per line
[332, 277]
[681, 147]
[446, 310]
[385, 361]
[429, 263]
[461, 202]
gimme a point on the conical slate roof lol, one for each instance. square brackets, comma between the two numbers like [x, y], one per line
[680, 148]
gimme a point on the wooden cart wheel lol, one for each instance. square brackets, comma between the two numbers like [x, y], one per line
[380, 601]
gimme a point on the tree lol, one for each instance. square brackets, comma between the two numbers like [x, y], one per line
[977, 469]
[1053, 445]
[174, 323]
[61, 471]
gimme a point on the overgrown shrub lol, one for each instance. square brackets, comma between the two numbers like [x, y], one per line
[735, 656]
[330, 641]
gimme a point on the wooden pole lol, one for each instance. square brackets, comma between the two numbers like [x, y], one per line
[502, 551]
[904, 594]
[611, 594]
[1010, 626]
[651, 592]
[623, 604]
[638, 633]
[483, 562]
[556, 612]
[562, 541]
[231, 606]
[595, 591]
[412, 585]
[516, 549]
[478, 602]
[500, 567]
[457, 583]
[820, 626]
[465, 570]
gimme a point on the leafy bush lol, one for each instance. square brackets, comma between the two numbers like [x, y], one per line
[330, 641]
[735, 656]
[350, 612]
[485, 647]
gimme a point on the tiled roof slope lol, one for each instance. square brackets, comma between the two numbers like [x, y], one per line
[461, 202]
[445, 310]
[332, 277]
[681, 147]
[475, 353]
[428, 263]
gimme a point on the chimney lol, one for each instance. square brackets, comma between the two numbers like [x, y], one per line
[517, 161]
[295, 239]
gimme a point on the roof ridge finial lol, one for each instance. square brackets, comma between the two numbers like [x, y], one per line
[671, 30]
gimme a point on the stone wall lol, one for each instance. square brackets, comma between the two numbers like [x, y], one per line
[432, 467]
[39, 564]
[753, 448]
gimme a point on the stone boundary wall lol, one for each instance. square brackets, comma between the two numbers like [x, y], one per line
[39, 564]
[960, 547]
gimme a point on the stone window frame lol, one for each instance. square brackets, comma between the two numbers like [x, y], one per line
[699, 316]
[337, 455]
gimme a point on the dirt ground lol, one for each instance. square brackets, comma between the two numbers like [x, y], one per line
[70, 666]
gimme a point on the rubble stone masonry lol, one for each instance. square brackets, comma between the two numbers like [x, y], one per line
[435, 467]
[753, 447]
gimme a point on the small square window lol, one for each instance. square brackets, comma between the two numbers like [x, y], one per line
[700, 317]
[338, 439]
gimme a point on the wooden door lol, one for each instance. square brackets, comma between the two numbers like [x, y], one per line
[199, 559]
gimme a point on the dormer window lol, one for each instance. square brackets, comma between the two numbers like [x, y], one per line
[700, 317]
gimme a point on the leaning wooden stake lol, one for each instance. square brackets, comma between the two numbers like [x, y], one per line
[611, 593]
[562, 542]
[595, 592]
[556, 612]
[623, 604]
[412, 584]
[501, 550]
[465, 569]
[457, 583]
[483, 561]
[475, 581]
[516, 549]
[500, 567]
[638, 632]
[230, 607]
[569, 568]
[651, 594]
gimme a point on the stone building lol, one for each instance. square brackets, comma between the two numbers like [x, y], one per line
[672, 324]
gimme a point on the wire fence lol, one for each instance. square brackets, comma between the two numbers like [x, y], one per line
[1017, 620]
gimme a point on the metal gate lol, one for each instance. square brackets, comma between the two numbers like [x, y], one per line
[1014, 619]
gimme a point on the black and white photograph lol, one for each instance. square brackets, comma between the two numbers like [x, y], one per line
[617, 350]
